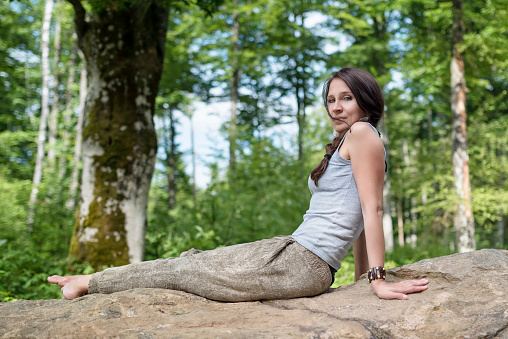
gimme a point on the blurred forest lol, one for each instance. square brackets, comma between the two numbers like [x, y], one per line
[61, 75]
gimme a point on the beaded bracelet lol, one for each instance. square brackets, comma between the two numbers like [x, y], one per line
[376, 273]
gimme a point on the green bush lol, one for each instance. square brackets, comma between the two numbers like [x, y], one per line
[24, 270]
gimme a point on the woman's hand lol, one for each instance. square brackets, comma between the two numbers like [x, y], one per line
[398, 290]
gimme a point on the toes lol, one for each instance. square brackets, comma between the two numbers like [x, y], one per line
[58, 280]
[54, 279]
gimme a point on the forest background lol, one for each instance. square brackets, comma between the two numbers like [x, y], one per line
[262, 63]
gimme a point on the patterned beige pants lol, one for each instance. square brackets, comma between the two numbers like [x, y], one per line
[277, 268]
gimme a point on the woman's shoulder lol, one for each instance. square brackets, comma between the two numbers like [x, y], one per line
[364, 132]
[360, 136]
[365, 145]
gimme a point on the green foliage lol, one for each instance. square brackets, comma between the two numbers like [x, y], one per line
[27, 259]
[346, 274]
[263, 198]
[260, 201]
[24, 270]
[13, 210]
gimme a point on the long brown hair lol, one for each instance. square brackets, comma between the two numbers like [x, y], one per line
[369, 97]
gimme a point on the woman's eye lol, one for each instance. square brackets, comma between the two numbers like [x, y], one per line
[347, 97]
[330, 101]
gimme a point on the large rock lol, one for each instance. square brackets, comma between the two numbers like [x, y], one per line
[466, 298]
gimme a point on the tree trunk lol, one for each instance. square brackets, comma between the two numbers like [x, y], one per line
[387, 218]
[189, 114]
[502, 217]
[68, 113]
[500, 230]
[235, 80]
[41, 139]
[124, 49]
[300, 121]
[400, 217]
[463, 220]
[171, 159]
[73, 187]
[53, 114]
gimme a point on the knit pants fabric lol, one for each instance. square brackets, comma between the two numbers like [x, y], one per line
[277, 268]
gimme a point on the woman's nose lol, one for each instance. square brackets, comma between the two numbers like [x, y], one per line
[336, 108]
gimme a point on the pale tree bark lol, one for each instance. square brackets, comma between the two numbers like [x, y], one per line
[502, 217]
[301, 98]
[400, 220]
[193, 152]
[412, 200]
[170, 149]
[430, 134]
[234, 82]
[409, 212]
[189, 113]
[387, 218]
[73, 187]
[53, 114]
[301, 119]
[463, 220]
[124, 49]
[68, 113]
[500, 230]
[41, 139]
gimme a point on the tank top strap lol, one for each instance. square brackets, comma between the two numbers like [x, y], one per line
[342, 140]
[374, 128]
[344, 137]
[384, 149]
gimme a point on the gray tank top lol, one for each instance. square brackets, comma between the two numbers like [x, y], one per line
[334, 219]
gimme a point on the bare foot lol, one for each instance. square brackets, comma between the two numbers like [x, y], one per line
[73, 286]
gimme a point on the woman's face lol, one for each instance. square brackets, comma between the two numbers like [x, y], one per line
[342, 105]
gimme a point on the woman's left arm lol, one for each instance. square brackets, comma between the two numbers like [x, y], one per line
[366, 152]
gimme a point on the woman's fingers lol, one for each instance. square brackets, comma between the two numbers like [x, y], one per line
[399, 290]
[410, 286]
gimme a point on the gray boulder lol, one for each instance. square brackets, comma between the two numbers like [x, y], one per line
[466, 298]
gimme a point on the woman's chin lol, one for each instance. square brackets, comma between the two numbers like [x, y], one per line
[339, 130]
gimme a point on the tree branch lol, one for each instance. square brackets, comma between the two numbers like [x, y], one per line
[79, 17]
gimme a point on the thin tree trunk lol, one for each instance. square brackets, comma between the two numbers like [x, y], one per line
[301, 121]
[53, 115]
[414, 220]
[170, 159]
[400, 212]
[409, 213]
[29, 109]
[67, 113]
[235, 79]
[430, 133]
[412, 211]
[124, 66]
[501, 220]
[387, 219]
[463, 220]
[41, 139]
[400, 221]
[193, 153]
[73, 187]
[500, 230]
